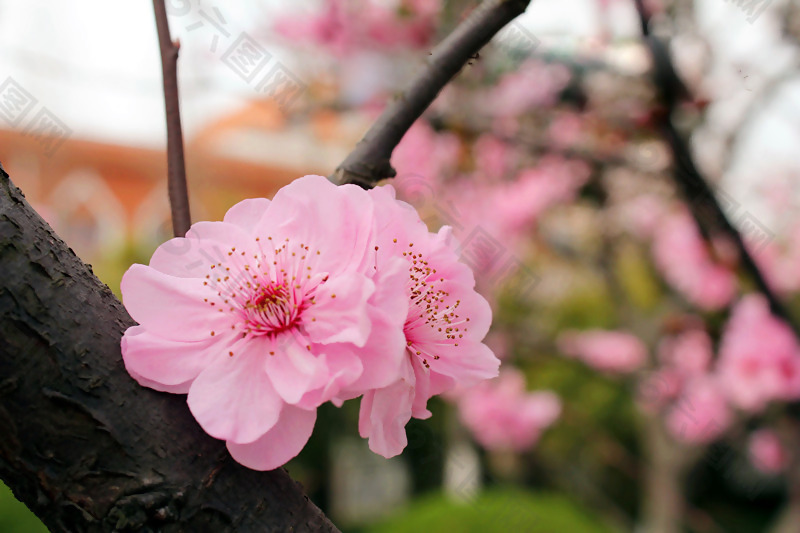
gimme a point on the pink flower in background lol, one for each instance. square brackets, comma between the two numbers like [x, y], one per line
[444, 327]
[642, 215]
[343, 27]
[759, 358]
[779, 261]
[689, 353]
[565, 130]
[701, 413]
[766, 452]
[534, 84]
[613, 352]
[520, 203]
[494, 158]
[265, 315]
[659, 389]
[424, 155]
[683, 258]
[502, 415]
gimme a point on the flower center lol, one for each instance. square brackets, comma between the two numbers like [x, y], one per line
[429, 308]
[272, 309]
[268, 290]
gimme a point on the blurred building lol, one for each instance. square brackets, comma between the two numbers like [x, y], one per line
[101, 197]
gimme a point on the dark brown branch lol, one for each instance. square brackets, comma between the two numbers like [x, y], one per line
[369, 162]
[176, 169]
[704, 206]
[83, 445]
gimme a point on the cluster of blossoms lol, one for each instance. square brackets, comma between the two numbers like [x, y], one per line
[758, 363]
[502, 415]
[344, 27]
[323, 294]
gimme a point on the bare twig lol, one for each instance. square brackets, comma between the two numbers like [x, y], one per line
[369, 162]
[176, 170]
[702, 202]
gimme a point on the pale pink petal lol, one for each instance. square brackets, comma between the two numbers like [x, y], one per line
[205, 244]
[292, 367]
[468, 363]
[278, 445]
[168, 362]
[339, 312]
[233, 399]
[337, 220]
[171, 307]
[247, 213]
[383, 416]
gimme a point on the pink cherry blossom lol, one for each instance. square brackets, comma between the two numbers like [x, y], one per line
[444, 327]
[503, 416]
[701, 413]
[689, 353]
[759, 357]
[534, 84]
[520, 203]
[613, 352]
[683, 258]
[766, 452]
[262, 317]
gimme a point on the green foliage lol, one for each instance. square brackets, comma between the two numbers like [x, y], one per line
[15, 517]
[494, 510]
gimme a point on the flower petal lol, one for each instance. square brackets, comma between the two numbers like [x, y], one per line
[383, 416]
[280, 444]
[247, 213]
[468, 363]
[335, 220]
[167, 362]
[340, 312]
[205, 244]
[171, 307]
[294, 369]
[233, 399]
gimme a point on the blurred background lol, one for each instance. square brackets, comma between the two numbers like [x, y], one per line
[645, 385]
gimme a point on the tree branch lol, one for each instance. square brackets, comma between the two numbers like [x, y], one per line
[370, 161]
[83, 445]
[702, 203]
[176, 169]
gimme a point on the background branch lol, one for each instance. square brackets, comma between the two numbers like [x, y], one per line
[369, 162]
[176, 169]
[703, 205]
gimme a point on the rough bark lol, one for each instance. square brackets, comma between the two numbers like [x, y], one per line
[83, 445]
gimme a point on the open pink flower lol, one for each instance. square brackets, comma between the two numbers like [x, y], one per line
[614, 352]
[262, 317]
[443, 329]
[502, 415]
[759, 359]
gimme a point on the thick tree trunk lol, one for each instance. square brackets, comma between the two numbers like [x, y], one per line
[81, 443]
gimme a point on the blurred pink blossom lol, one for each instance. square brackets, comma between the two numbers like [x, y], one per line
[689, 353]
[343, 27]
[613, 352]
[766, 452]
[534, 84]
[759, 358]
[685, 262]
[565, 129]
[502, 416]
[701, 413]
